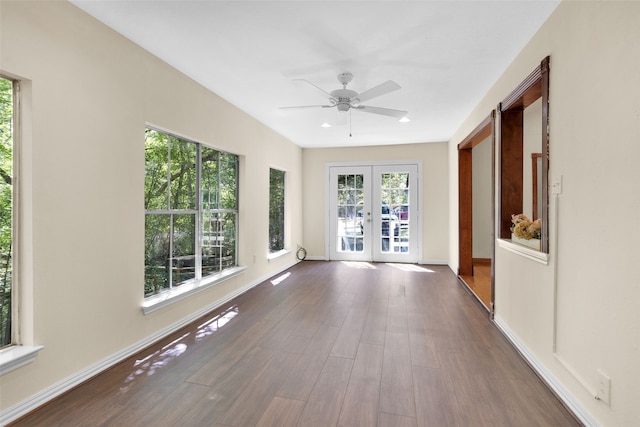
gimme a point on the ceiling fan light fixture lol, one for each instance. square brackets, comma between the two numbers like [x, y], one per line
[343, 107]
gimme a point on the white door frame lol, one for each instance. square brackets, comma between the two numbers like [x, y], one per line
[417, 224]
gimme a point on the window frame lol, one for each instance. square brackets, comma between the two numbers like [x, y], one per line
[177, 291]
[274, 253]
[14, 293]
[20, 351]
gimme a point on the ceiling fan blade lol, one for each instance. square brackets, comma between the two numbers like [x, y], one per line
[306, 106]
[381, 89]
[324, 93]
[383, 111]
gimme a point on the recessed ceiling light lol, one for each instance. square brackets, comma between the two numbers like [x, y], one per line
[405, 119]
[325, 125]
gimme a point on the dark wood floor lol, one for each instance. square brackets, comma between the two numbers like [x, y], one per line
[329, 344]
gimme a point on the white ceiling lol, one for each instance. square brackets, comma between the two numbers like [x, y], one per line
[444, 54]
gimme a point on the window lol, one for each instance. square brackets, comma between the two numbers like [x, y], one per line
[191, 211]
[6, 208]
[276, 210]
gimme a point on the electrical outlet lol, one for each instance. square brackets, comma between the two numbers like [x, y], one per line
[604, 388]
[254, 259]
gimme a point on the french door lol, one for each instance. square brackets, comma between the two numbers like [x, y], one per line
[373, 213]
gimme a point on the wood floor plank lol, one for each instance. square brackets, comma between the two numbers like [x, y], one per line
[282, 413]
[396, 389]
[392, 420]
[375, 325]
[435, 406]
[217, 367]
[325, 402]
[348, 339]
[259, 392]
[304, 373]
[332, 343]
[397, 316]
[360, 406]
[423, 352]
[224, 392]
[153, 411]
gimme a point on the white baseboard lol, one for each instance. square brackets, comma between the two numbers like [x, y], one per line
[434, 262]
[425, 262]
[315, 258]
[563, 394]
[44, 396]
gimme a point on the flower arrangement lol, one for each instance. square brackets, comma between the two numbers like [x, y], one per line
[524, 228]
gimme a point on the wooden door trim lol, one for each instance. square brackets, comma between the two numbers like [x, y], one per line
[465, 197]
[532, 88]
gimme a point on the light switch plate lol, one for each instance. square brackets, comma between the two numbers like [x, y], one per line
[556, 186]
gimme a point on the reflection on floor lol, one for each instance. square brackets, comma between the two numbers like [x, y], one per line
[480, 282]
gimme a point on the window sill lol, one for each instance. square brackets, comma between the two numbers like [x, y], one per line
[16, 356]
[167, 298]
[524, 251]
[276, 255]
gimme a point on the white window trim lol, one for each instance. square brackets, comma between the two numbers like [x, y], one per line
[275, 255]
[16, 356]
[167, 298]
[532, 254]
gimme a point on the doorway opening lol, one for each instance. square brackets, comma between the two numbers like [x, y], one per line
[476, 192]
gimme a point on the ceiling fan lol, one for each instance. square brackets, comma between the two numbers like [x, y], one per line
[346, 99]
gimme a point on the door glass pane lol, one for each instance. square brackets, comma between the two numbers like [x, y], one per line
[350, 202]
[394, 200]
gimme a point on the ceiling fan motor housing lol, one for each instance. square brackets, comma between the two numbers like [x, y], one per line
[345, 98]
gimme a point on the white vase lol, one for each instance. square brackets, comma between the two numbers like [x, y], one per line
[530, 243]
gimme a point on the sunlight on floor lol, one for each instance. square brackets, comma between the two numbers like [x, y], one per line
[359, 264]
[410, 267]
[214, 324]
[151, 363]
[155, 361]
[278, 280]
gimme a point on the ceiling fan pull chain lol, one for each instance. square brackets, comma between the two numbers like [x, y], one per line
[349, 123]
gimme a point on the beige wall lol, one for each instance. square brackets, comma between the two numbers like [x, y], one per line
[591, 282]
[481, 202]
[91, 94]
[434, 195]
